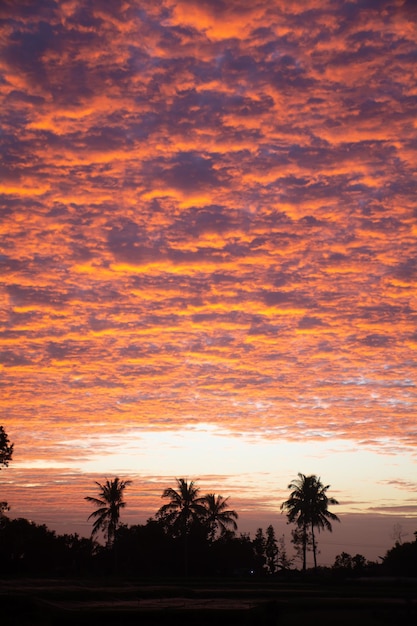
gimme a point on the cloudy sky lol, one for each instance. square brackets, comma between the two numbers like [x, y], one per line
[208, 254]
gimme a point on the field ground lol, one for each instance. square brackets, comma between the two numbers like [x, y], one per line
[207, 603]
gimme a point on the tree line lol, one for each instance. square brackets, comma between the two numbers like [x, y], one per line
[190, 534]
[188, 515]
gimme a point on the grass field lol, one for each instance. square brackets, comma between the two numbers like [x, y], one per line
[203, 602]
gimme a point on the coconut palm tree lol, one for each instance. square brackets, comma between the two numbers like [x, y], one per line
[307, 507]
[184, 508]
[217, 516]
[108, 504]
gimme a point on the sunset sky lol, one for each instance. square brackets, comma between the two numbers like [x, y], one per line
[208, 257]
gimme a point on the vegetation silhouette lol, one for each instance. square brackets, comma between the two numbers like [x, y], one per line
[29, 549]
[108, 504]
[184, 509]
[401, 559]
[183, 514]
[271, 550]
[6, 453]
[194, 519]
[203, 526]
[6, 448]
[348, 566]
[307, 507]
[146, 551]
[217, 516]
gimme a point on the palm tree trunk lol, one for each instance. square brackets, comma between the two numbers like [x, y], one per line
[304, 549]
[115, 557]
[186, 555]
[184, 538]
[314, 546]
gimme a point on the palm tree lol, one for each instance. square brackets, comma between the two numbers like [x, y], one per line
[307, 507]
[184, 510]
[218, 516]
[108, 504]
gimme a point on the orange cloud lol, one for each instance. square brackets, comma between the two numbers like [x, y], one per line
[208, 214]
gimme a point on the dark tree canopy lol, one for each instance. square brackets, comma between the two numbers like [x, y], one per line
[401, 560]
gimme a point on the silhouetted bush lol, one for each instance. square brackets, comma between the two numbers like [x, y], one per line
[401, 560]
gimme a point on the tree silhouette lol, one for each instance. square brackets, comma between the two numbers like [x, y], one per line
[3, 508]
[108, 504]
[284, 561]
[307, 507]
[218, 516]
[6, 452]
[401, 560]
[302, 542]
[184, 508]
[271, 550]
[6, 448]
[259, 545]
[184, 511]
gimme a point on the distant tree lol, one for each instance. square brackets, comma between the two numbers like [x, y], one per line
[398, 534]
[108, 504]
[271, 550]
[307, 507]
[284, 561]
[3, 508]
[346, 565]
[259, 547]
[302, 542]
[6, 448]
[401, 560]
[359, 562]
[218, 516]
[343, 561]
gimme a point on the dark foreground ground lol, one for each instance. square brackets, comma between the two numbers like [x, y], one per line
[204, 603]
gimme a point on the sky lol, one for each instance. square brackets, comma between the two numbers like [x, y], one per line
[208, 257]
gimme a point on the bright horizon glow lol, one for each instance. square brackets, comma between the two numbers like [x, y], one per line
[208, 255]
[216, 457]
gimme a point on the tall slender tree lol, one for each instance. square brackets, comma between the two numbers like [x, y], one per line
[271, 550]
[108, 504]
[259, 545]
[218, 516]
[284, 561]
[307, 507]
